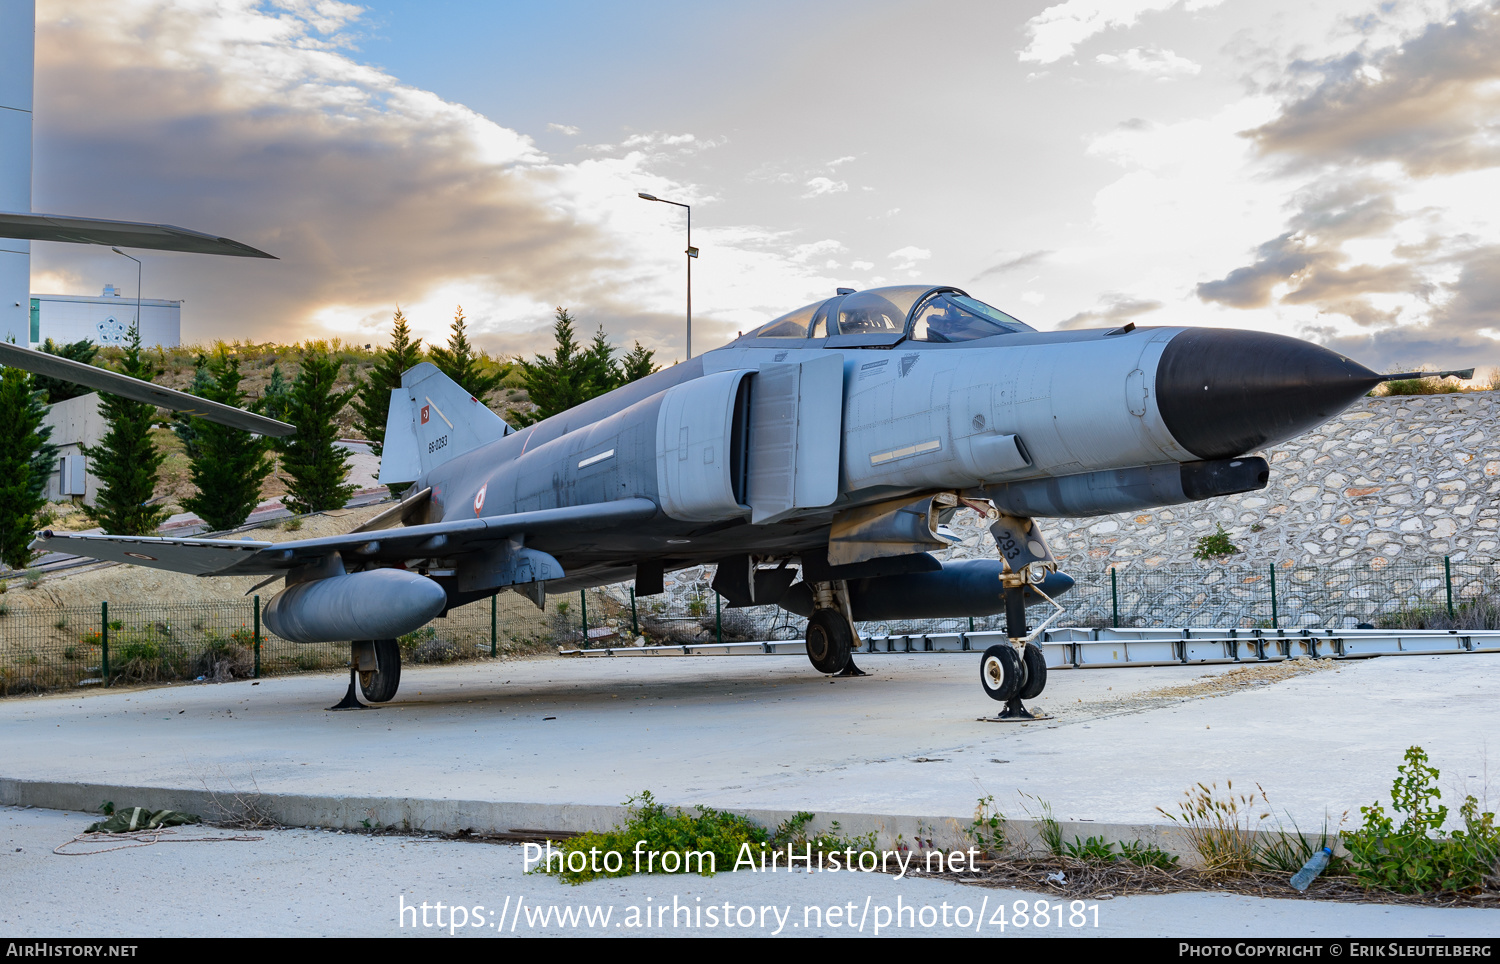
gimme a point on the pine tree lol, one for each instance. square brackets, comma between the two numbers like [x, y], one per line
[184, 426]
[637, 364]
[372, 405]
[228, 465]
[557, 383]
[126, 461]
[27, 457]
[600, 372]
[56, 391]
[459, 362]
[315, 464]
[274, 400]
[573, 375]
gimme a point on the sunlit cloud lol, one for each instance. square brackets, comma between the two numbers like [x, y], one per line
[1058, 30]
[252, 121]
[1151, 61]
[819, 186]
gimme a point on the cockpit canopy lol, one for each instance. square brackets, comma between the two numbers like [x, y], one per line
[887, 315]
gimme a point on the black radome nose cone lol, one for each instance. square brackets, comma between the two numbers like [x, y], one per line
[1224, 392]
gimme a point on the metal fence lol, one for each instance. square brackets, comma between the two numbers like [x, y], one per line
[1435, 594]
[45, 649]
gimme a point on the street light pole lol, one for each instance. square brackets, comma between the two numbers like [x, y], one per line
[692, 253]
[137, 287]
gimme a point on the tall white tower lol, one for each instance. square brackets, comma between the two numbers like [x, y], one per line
[17, 57]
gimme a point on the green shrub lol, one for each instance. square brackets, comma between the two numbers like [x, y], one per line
[1419, 856]
[658, 830]
[1148, 855]
[416, 638]
[1215, 546]
[988, 827]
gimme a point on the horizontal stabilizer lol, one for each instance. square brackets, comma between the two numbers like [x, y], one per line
[127, 234]
[104, 380]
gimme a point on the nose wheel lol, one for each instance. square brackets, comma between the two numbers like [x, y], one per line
[1009, 677]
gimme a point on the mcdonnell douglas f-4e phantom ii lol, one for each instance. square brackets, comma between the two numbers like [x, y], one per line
[813, 461]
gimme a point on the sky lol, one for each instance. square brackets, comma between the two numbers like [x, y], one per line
[1328, 170]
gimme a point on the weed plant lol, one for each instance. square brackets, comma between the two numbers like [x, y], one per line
[1218, 827]
[988, 828]
[1419, 856]
[652, 828]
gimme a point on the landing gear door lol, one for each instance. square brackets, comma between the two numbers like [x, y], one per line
[796, 430]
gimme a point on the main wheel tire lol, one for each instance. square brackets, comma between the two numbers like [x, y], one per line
[829, 641]
[1000, 672]
[1034, 662]
[380, 685]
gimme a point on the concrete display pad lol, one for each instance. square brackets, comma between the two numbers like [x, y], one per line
[559, 744]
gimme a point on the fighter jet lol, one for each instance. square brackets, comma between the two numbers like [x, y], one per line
[814, 462]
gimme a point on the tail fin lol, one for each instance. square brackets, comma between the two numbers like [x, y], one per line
[432, 420]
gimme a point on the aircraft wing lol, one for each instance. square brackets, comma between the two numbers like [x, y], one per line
[104, 380]
[129, 234]
[225, 557]
[200, 557]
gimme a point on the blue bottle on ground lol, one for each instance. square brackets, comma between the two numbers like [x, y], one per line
[1314, 866]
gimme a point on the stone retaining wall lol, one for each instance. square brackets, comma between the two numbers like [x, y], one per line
[1392, 481]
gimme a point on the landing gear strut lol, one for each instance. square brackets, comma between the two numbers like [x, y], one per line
[1016, 670]
[376, 664]
[831, 639]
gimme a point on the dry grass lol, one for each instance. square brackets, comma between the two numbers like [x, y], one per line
[1101, 881]
[1218, 826]
[1243, 678]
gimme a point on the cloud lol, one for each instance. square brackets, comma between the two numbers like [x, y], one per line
[1394, 145]
[1461, 331]
[1057, 31]
[908, 257]
[1114, 309]
[1309, 260]
[566, 129]
[804, 252]
[1014, 263]
[1151, 61]
[1428, 104]
[841, 160]
[819, 186]
[657, 139]
[251, 122]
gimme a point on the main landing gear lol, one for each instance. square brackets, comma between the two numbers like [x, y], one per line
[376, 664]
[831, 639]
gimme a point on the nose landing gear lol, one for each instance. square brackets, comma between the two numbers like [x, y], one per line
[1016, 670]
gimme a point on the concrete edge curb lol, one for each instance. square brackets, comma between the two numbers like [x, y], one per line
[892, 831]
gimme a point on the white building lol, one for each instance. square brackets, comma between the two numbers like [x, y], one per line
[105, 320]
[75, 422]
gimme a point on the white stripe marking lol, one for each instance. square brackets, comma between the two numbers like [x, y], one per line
[592, 459]
[921, 448]
[438, 410]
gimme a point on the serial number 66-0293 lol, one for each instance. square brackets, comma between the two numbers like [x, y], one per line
[442, 442]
